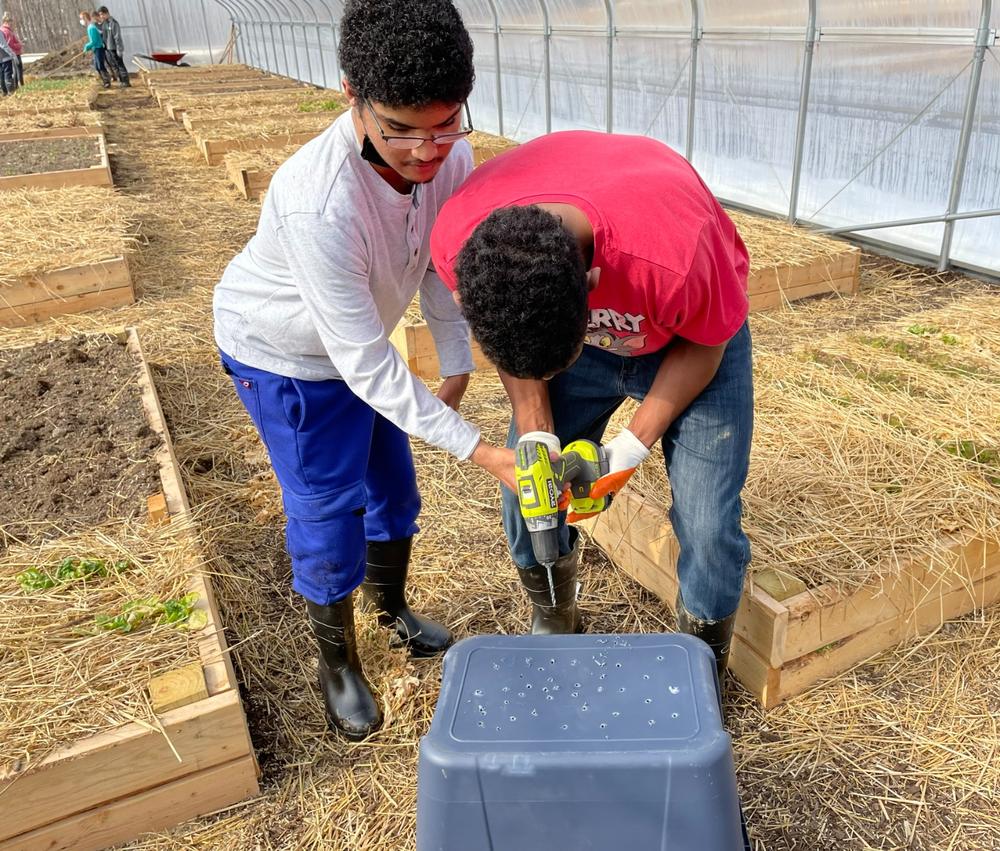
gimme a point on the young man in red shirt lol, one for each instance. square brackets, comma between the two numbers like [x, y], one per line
[590, 268]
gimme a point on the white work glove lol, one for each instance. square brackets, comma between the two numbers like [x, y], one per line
[550, 440]
[624, 452]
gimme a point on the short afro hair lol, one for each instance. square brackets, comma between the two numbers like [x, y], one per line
[523, 286]
[406, 54]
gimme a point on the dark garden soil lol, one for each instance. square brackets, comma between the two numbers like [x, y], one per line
[75, 447]
[36, 156]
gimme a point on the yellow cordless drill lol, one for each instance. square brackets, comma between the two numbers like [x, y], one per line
[541, 481]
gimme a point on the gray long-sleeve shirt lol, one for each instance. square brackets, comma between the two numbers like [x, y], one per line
[337, 258]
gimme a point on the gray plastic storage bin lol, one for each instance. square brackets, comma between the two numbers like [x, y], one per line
[574, 742]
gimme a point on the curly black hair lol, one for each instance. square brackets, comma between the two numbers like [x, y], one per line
[523, 286]
[406, 54]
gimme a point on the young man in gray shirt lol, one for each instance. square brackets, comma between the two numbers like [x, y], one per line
[302, 317]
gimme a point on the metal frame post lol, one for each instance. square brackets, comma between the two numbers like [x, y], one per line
[208, 36]
[547, 62]
[319, 42]
[496, 55]
[284, 45]
[696, 31]
[173, 24]
[800, 129]
[983, 36]
[609, 11]
[305, 38]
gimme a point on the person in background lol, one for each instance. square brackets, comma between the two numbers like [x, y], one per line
[111, 32]
[95, 43]
[7, 28]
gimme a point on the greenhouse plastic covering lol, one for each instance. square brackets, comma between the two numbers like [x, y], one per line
[837, 114]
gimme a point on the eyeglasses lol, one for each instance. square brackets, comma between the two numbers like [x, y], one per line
[409, 143]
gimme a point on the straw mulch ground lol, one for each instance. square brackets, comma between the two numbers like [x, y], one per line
[327, 102]
[268, 124]
[20, 123]
[236, 100]
[73, 94]
[63, 678]
[266, 159]
[57, 228]
[895, 430]
[776, 243]
[900, 755]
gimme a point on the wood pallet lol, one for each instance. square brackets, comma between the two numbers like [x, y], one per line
[788, 639]
[95, 175]
[768, 288]
[76, 289]
[214, 150]
[114, 786]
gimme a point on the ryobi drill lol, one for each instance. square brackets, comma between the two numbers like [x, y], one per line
[540, 485]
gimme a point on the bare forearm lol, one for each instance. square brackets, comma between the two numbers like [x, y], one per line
[530, 401]
[687, 369]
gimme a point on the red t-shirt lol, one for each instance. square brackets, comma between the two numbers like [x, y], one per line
[671, 260]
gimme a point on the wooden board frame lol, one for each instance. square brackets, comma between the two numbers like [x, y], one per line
[214, 150]
[74, 289]
[251, 183]
[114, 786]
[176, 104]
[768, 288]
[95, 175]
[783, 647]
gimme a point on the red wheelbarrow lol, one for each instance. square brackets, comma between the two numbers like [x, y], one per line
[173, 59]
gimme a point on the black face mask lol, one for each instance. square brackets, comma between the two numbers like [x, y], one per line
[370, 154]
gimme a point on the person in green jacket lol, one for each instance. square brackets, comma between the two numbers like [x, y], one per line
[96, 44]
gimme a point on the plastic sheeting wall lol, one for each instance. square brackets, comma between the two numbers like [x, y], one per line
[885, 99]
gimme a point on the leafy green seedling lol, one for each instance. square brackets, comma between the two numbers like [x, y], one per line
[179, 613]
[68, 570]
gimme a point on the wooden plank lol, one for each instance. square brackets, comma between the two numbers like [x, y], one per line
[119, 763]
[153, 810]
[772, 686]
[212, 648]
[177, 688]
[770, 300]
[193, 124]
[173, 486]
[30, 314]
[106, 275]
[843, 265]
[415, 344]
[156, 509]
[52, 133]
[215, 150]
[825, 616]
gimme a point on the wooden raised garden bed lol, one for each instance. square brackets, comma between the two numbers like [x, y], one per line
[162, 93]
[215, 148]
[177, 104]
[77, 289]
[197, 758]
[54, 158]
[789, 638]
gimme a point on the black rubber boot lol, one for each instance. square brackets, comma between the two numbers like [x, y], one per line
[716, 634]
[384, 590]
[554, 609]
[351, 708]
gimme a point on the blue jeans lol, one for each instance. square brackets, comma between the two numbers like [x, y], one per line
[707, 452]
[346, 475]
